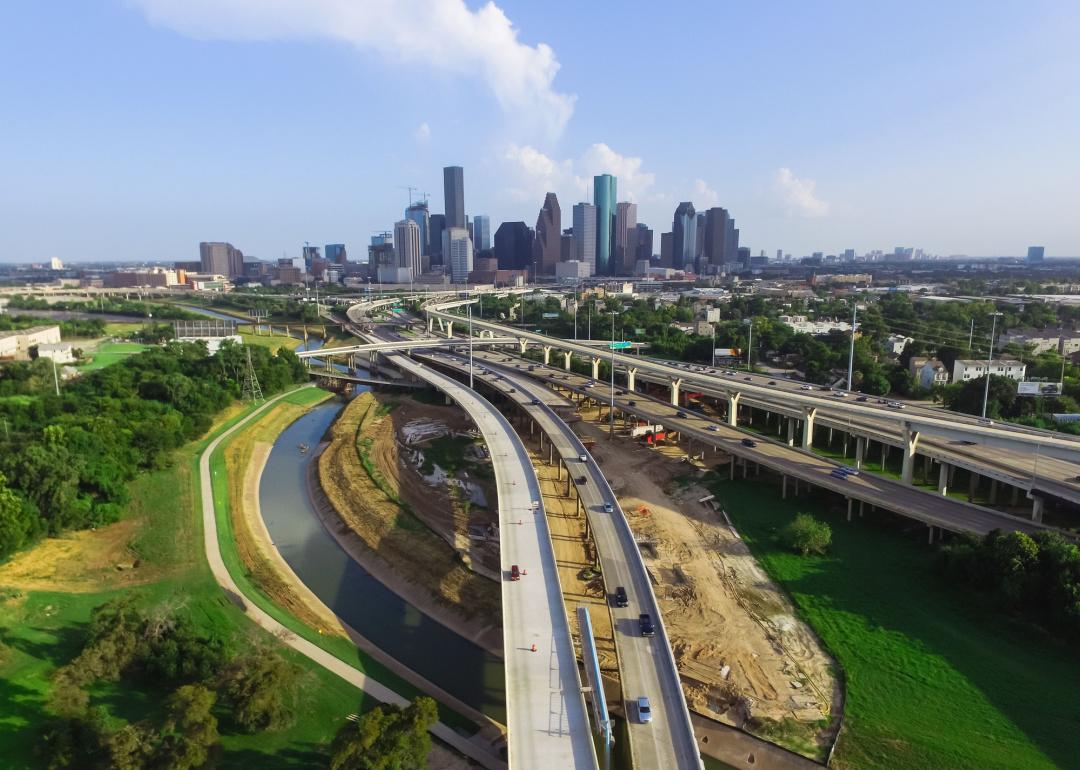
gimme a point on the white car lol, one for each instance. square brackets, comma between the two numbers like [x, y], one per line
[644, 710]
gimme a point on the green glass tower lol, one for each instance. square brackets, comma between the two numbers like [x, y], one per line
[604, 199]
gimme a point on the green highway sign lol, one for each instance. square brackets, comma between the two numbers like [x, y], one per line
[619, 345]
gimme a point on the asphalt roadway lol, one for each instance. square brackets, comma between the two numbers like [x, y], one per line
[646, 664]
[547, 724]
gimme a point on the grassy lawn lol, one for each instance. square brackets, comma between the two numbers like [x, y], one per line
[42, 630]
[935, 677]
[274, 342]
[122, 328]
[109, 353]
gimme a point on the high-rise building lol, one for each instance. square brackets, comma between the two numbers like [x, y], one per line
[547, 244]
[699, 241]
[667, 249]
[514, 246]
[641, 243]
[219, 258]
[743, 257]
[684, 232]
[566, 245]
[458, 252]
[1036, 254]
[481, 232]
[454, 196]
[604, 198]
[311, 255]
[731, 241]
[335, 252]
[407, 245]
[625, 222]
[715, 236]
[418, 212]
[382, 260]
[437, 225]
[585, 235]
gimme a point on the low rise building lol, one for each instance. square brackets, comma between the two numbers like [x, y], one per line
[932, 374]
[20, 344]
[59, 352]
[968, 369]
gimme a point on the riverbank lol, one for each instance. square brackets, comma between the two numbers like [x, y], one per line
[393, 545]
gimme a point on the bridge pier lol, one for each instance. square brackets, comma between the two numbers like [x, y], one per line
[733, 408]
[911, 441]
[566, 360]
[860, 451]
[675, 385]
[596, 368]
[791, 431]
[930, 539]
[973, 485]
[993, 491]
[523, 344]
[850, 505]
[808, 427]
[943, 479]
[449, 329]
[547, 354]
[430, 323]
[1036, 507]
[783, 483]
[631, 375]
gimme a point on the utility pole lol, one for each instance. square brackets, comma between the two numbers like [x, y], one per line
[971, 334]
[851, 353]
[713, 356]
[470, 348]
[749, 342]
[611, 407]
[989, 362]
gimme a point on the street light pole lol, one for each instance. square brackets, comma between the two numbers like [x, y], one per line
[851, 353]
[611, 407]
[749, 342]
[989, 362]
[470, 348]
[713, 356]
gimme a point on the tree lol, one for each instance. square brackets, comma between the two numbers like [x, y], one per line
[259, 686]
[386, 738]
[16, 520]
[967, 396]
[806, 535]
[190, 730]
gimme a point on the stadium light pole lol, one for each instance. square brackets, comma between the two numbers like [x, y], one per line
[989, 362]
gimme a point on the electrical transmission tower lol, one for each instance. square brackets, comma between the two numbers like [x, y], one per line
[252, 391]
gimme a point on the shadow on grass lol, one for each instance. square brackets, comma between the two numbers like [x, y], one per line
[935, 674]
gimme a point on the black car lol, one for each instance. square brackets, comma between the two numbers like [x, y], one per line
[749, 442]
[861, 399]
[646, 625]
[632, 403]
[681, 414]
[536, 402]
[620, 597]
[772, 382]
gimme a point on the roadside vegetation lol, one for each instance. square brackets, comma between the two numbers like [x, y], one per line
[936, 674]
[69, 459]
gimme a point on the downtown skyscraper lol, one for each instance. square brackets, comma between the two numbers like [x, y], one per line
[547, 243]
[625, 224]
[481, 225]
[684, 236]
[454, 196]
[418, 212]
[585, 235]
[604, 198]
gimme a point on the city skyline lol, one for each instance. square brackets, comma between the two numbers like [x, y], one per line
[822, 144]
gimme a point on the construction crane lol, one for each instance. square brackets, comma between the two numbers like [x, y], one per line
[410, 188]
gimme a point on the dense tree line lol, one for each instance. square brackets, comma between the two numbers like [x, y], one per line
[158, 650]
[109, 305]
[386, 737]
[67, 460]
[1036, 576]
[74, 328]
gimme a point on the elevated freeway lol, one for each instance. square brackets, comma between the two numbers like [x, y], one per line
[547, 723]
[999, 446]
[646, 664]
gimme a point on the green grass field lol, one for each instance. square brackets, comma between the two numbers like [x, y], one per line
[274, 342]
[935, 677]
[109, 353]
[42, 630]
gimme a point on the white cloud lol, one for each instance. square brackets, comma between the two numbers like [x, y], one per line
[798, 195]
[442, 34]
[704, 196]
[531, 173]
[633, 182]
[422, 133]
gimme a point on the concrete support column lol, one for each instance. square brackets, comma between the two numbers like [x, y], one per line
[973, 485]
[830, 437]
[943, 479]
[1036, 508]
[551, 454]
[1015, 496]
[523, 345]
[675, 385]
[449, 329]
[631, 375]
[547, 354]
[430, 323]
[783, 488]
[732, 467]
[993, 491]
[860, 450]
[791, 431]
[566, 360]
[733, 408]
[808, 427]
[930, 538]
[596, 368]
[911, 441]
[850, 505]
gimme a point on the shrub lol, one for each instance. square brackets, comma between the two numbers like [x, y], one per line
[806, 535]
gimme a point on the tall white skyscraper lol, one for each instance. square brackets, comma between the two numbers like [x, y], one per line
[407, 245]
[458, 253]
[585, 235]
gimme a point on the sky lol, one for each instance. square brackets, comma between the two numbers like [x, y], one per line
[134, 129]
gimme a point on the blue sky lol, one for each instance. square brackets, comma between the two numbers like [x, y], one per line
[133, 129]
